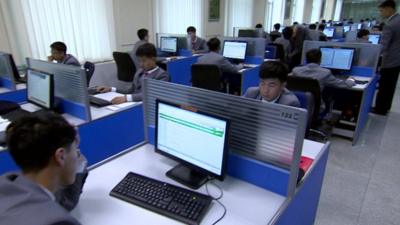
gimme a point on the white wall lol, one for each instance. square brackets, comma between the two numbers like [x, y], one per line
[213, 28]
[329, 9]
[4, 42]
[259, 12]
[307, 11]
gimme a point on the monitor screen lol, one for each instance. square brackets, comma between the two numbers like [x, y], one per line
[8, 67]
[359, 26]
[194, 138]
[235, 50]
[329, 32]
[40, 88]
[337, 58]
[346, 29]
[247, 33]
[169, 44]
[374, 38]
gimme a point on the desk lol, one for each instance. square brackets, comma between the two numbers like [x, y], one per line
[246, 203]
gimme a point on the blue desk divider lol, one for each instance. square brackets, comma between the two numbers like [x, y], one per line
[362, 71]
[7, 163]
[7, 83]
[18, 96]
[253, 60]
[253, 171]
[74, 109]
[180, 70]
[185, 52]
[250, 78]
[270, 52]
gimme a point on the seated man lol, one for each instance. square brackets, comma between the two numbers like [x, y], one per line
[147, 56]
[198, 45]
[143, 35]
[363, 36]
[45, 147]
[59, 54]
[273, 77]
[315, 71]
[275, 33]
[213, 57]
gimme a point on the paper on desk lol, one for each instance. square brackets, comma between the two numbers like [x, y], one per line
[108, 96]
[120, 106]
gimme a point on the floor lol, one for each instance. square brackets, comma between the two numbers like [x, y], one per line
[362, 183]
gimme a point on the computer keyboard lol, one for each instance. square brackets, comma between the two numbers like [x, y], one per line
[98, 101]
[93, 91]
[16, 114]
[166, 199]
[361, 82]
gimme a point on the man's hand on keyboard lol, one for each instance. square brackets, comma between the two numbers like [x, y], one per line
[118, 100]
[103, 89]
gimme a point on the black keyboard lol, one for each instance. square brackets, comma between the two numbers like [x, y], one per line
[16, 114]
[361, 82]
[93, 91]
[98, 101]
[166, 199]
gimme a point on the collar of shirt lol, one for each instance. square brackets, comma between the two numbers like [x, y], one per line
[273, 101]
[51, 195]
[194, 41]
[391, 17]
[150, 71]
[67, 56]
[313, 65]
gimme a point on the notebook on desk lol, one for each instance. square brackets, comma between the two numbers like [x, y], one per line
[103, 99]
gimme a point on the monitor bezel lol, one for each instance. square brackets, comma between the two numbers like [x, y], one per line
[188, 164]
[51, 106]
[337, 47]
[161, 45]
[234, 41]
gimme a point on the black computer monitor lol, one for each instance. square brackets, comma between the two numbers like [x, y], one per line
[337, 58]
[346, 28]
[183, 43]
[199, 141]
[247, 33]
[329, 32]
[374, 38]
[7, 61]
[235, 50]
[169, 44]
[40, 88]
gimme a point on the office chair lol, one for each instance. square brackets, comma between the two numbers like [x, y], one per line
[280, 52]
[126, 68]
[207, 77]
[274, 37]
[89, 68]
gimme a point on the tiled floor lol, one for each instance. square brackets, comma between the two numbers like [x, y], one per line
[362, 183]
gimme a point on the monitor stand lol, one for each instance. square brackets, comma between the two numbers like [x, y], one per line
[187, 176]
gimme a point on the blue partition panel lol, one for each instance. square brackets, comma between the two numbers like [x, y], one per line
[18, 96]
[7, 83]
[250, 78]
[180, 70]
[7, 163]
[362, 71]
[253, 60]
[303, 208]
[105, 137]
[255, 172]
[270, 52]
[74, 109]
[185, 52]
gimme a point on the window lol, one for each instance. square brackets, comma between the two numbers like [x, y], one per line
[174, 16]
[338, 10]
[316, 11]
[298, 11]
[86, 26]
[239, 13]
[275, 10]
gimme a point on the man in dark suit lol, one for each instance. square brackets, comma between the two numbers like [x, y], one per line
[59, 54]
[143, 35]
[147, 56]
[390, 67]
[272, 87]
[45, 147]
[197, 44]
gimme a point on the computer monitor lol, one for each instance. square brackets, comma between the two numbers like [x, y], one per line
[346, 28]
[169, 44]
[337, 58]
[235, 50]
[183, 43]
[374, 38]
[40, 89]
[247, 33]
[359, 26]
[8, 67]
[329, 32]
[199, 141]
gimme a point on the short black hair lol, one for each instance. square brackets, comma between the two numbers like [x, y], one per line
[259, 25]
[388, 3]
[214, 44]
[59, 46]
[287, 33]
[277, 26]
[34, 139]
[321, 26]
[296, 23]
[191, 29]
[142, 33]
[312, 26]
[323, 21]
[147, 50]
[274, 69]
[363, 32]
[314, 56]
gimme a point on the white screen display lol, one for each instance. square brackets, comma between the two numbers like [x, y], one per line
[235, 50]
[346, 29]
[329, 32]
[337, 58]
[192, 137]
[39, 87]
[374, 38]
[169, 44]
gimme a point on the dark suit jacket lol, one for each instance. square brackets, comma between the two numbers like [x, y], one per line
[286, 98]
[391, 42]
[200, 45]
[25, 202]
